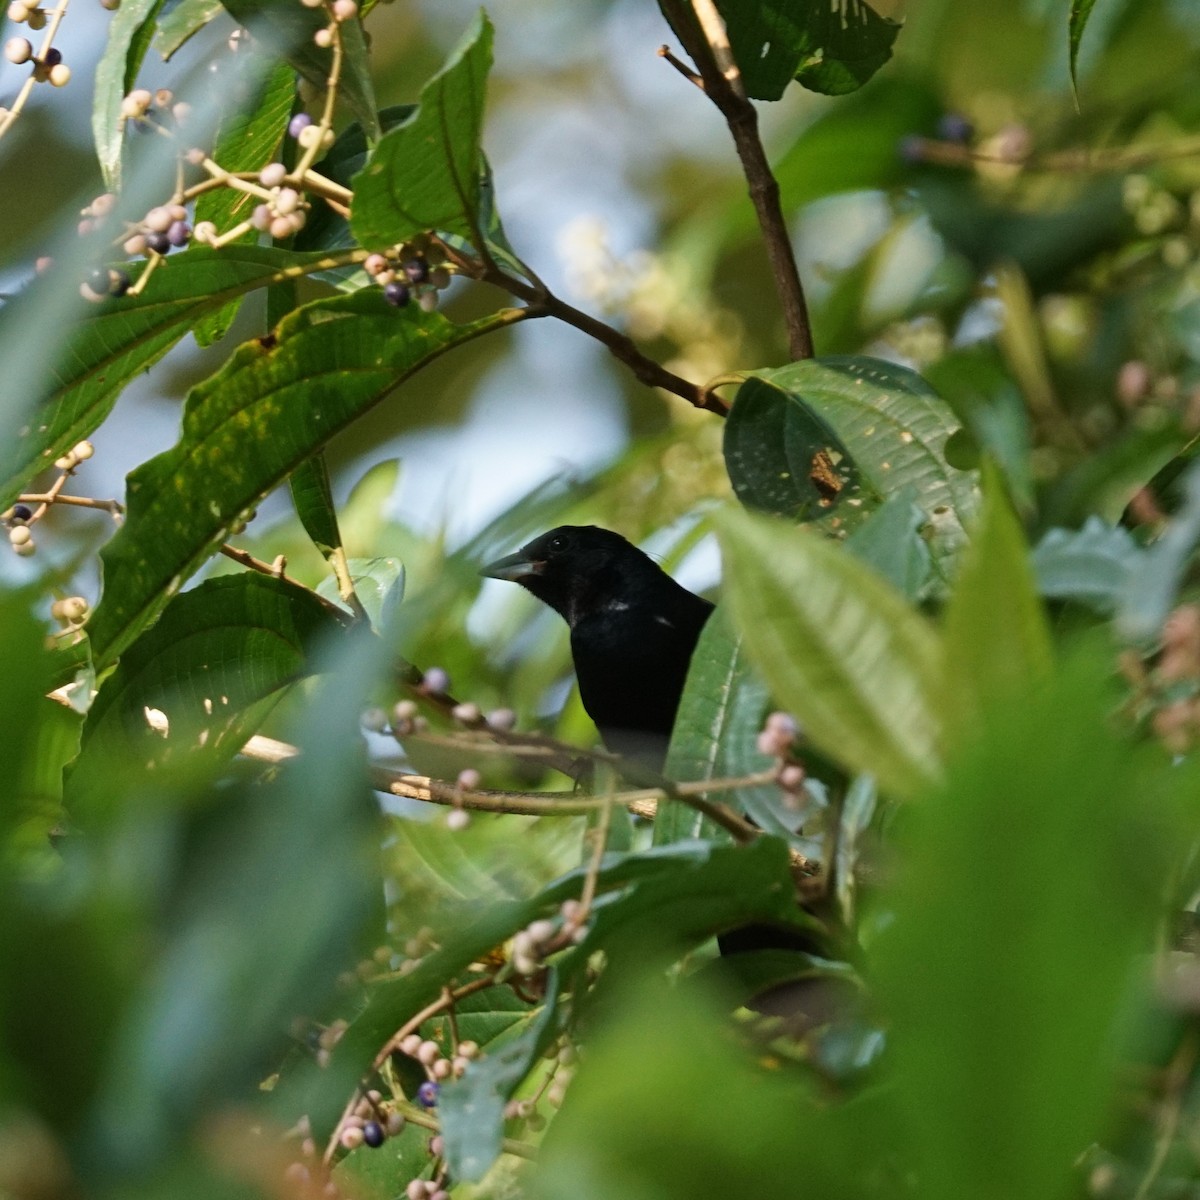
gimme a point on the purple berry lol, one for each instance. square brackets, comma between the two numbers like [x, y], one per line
[435, 680]
[99, 281]
[911, 149]
[373, 1134]
[21, 512]
[396, 294]
[158, 242]
[299, 122]
[954, 127]
[178, 233]
[417, 270]
[52, 57]
[427, 1094]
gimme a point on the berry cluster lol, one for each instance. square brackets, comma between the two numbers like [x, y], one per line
[20, 517]
[48, 66]
[370, 1124]
[778, 739]
[407, 273]
[532, 945]
[437, 1066]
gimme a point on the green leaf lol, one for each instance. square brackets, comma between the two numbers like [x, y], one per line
[838, 647]
[329, 230]
[1093, 565]
[892, 426]
[129, 32]
[425, 174]
[1010, 965]
[181, 21]
[271, 407]
[312, 497]
[112, 343]
[286, 30]
[783, 457]
[720, 715]
[471, 1109]
[215, 654]
[246, 141]
[1076, 23]
[997, 642]
[832, 48]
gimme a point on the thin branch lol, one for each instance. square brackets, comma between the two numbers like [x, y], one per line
[1083, 160]
[697, 28]
[276, 571]
[544, 303]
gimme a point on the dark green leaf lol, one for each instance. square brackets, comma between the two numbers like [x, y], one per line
[471, 1109]
[115, 75]
[287, 31]
[112, 343]
[838, 647]
[425, 174]
[313, 500]
[828, 47]
[245, 430]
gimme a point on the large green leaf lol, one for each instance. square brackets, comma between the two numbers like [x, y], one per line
[1021, 925]
[116, 72]
[838, 647]
[181, 22]
[245, 430]
[287, 30]
[889, 430]
[217, 651]
[997, 642]
[425, 174]
[112, 343]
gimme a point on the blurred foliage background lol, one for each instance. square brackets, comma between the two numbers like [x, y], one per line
[180, 958]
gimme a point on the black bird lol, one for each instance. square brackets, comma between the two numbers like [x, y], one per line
[633, 630]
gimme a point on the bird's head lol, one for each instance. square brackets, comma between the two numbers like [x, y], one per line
[575, 568]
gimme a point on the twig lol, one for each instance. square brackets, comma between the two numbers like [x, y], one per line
[115, 507]
[723, 85]
[276, 571]
[1099, 161]
[1178, 1076]
[544, 303]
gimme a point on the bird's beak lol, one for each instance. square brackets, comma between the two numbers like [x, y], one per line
[513, 567]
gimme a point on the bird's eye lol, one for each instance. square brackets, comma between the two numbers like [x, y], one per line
[559, 543]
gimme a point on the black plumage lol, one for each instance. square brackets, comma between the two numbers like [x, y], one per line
[633, 630]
